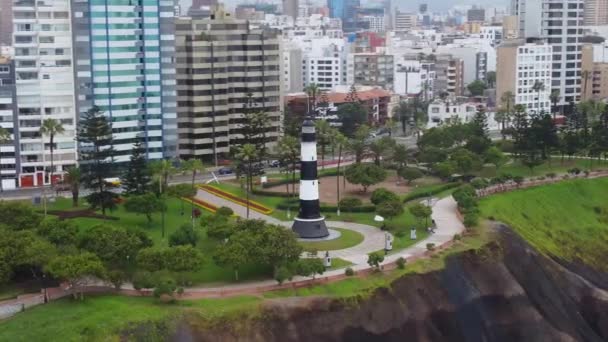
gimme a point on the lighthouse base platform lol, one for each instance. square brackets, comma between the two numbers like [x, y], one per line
[310, 228]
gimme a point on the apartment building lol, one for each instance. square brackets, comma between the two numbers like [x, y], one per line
[324, 67]
[522, 66]
[291, 71]
[371, 69]
[42, 38]
[560, 24]
[414, 77]
[405, 21]
[125, 67]
[595, 72]
[6, 22]
[449, 75]
[9, 158]
[596, 12]
[225, 71]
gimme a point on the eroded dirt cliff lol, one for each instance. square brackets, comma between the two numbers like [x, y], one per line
[505, 292]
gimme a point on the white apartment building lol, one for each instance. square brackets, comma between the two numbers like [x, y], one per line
[492, 34]
[319, 60]
[559, 23]
[325, 69]
[440, 112]
[8, 111]
[42, 38]
[475, 60]
[522, 65]
[405, 21]
[376, 23]
[413, 77]
[291, 69]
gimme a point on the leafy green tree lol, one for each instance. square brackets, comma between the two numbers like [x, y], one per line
[277, 246]
[421, 212]
[444, 169]
[375, 259]
[310, 267]
[465, 161]
[96, 154]
[390, 209]
[400, 155]
[58, 232]
[341, 142]
[184, 235]
[146, 204]
[51, 128]
[495, 156]
[352, 115]
[381, 195]
[76, 269]
[235, 253]
[380, 148]
[282, 273]
[404, 114]
[136, 180]
[247, 154]
[113, 245]
[181, 191]
[410, 174]
[218, 226]
[477, 87]
[365, 175]
[162, 171]
[183, 258]
[288, 149]
[73, 178]
[31, 251]
[18, 215]
[194, 166]
[479, 140]
[359, 144]
[491, 78]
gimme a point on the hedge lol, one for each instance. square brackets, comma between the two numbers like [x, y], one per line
[323, 173]
[327, 208]
[417, 195]
[271, 193]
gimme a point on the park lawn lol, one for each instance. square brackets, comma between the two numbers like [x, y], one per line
[568, 220]
[337, 263]
[554, 166]
[347, 239]
[101, 318]
[269, 201]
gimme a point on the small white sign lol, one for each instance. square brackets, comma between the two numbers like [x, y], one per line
[264, 179]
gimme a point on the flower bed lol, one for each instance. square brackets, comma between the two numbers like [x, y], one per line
[233, 198]
[202, 204]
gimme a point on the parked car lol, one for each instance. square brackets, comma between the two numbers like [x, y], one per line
[274, 163]
[225, 171]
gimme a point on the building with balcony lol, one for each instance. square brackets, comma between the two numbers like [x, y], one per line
[125, 67]
[42, 38]
[449, 75]
[9, 152]
[371, 69]
[595, 71]
[225, 72]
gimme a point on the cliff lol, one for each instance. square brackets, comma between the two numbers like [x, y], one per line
[504, 292]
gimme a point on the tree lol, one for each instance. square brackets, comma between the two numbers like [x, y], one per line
[19, 216]
[340, 141]
[365, 175]
[400, 155]
[538, 87]
[277, 246]
[247, 154]
[235, 253]
[465, 161]
[312, 91]
[444, 169]
[476, 88]
[390, 209]
[310, 267]
[479, 140]
[554, 97]
[494, 155]
[58, 232]
[375, 259]
[113, 245]
[72, 177]
[194, 166]
[255, 128]
[382, 195]
[218, 226]
[352, 115]
[359, 144]
[410, 174]
[96, 153]
[288, 149]
[5, 138]
[323, 130]
[183, 258]
[403, 113]
[136, 180]
[380, 148]
[491, 78]
[184, 235]
[146, 204]
[76, 270]
[181, 191]
[421, 211]
[162, 170]
[51, 128]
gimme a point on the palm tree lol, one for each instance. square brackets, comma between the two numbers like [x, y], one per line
[51, 127]
[73, 176]
[248, 154]
[554, 97]
[585, 75]
[312, 90]
[288, 150]
[5, 138]
[538, 87]
[340, 141]
[323, 130]
[193, 165]
[162, 169]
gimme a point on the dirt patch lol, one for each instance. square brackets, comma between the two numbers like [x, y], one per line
[86, 213]
[328, 192]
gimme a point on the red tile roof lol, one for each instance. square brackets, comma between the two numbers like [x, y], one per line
[341, 97]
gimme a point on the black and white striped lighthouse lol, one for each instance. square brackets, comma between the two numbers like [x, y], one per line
[309, 223]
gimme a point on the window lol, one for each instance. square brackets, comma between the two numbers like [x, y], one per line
[4, 69]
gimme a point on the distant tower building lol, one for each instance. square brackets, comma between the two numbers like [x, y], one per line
[423, 8]
[6, 22]
[309, 223]
[596, 12]
[291, 8]
[476, 14]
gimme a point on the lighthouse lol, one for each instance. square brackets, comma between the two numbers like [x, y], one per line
[309, 223]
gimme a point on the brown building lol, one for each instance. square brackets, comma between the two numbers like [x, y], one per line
[449, 75]
[594, 75]
[510, 28]
[377, 101]
[596, 12]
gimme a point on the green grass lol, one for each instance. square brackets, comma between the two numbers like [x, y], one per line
[10, 291]
[337, 263]
[101, 318]
[555, 165]
[568, 220]
[347, 239]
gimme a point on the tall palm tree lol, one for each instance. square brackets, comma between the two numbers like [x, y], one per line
[538, 87]
[340, 141]
[5, 138]
[162, 170]
[73, 176]
[50, 128]
[193, 165]
[323, 130]
[554, 97]
[312, 90]
[585, 74]
[248, 154]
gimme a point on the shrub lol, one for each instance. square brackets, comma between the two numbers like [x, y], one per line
[457, 237]
[282, 273]
[224, 211]
[479, 183]
[374, 259]
[575, 171]
[416, 195]
[382, 195]
[518, 180]
[349, 272]
[586, 172]
[184, 235]
[359, 209]
[349, 203]
[117, 278]
[184, 279]
[390, 209]
[271, 193]
[410, 174]
[471, 220]
[488, 170]
[551, 175]
[401, 263]
[164, 286]
[143, 280]
[430, 247]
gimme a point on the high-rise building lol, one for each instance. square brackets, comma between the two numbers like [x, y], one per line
[510, 28]
[9, 158]
[476, 14]
[6, 22]
[559, 23]
[226, 71]
[595, 71]
[596, 12]
[405, 21]
[291, 8]
[125, 67]
[203, 3]
[42, 38]
[346, 10]
[449, 76]
[522, 66]
[371, 69]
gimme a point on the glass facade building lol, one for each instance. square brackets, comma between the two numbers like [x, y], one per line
[125, 66]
